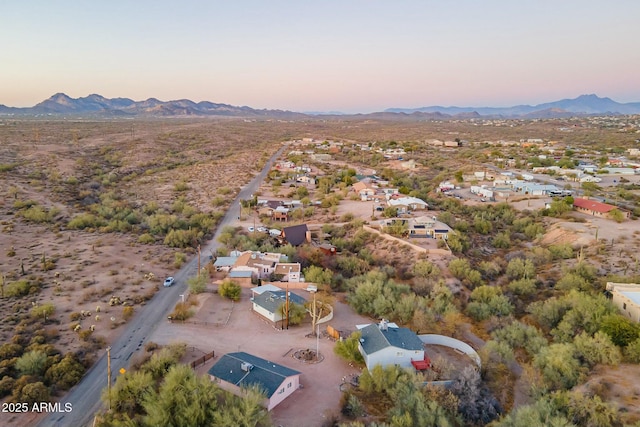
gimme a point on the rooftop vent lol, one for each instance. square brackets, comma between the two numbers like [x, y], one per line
[246, 366]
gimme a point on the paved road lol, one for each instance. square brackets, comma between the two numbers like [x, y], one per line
[85, 397]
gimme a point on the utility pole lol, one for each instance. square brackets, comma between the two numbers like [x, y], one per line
[109, 375]
[286, 305]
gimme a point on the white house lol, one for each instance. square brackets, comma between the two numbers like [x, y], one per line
[237, 371]
[268, 303]
[387, 344]
[407, 203]
[626, 296]
[290, 271]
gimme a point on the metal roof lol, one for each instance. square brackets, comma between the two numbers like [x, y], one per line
[375, 339]
[268, 375]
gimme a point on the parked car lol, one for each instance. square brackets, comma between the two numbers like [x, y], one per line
[262, 229]
[169, 281]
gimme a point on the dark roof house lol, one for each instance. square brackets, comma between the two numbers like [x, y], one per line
[387, 344]
[296, 234]
[267, 303]
[236, 371]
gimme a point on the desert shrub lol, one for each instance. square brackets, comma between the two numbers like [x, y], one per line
[9, 350]
[127, 312]
[182, 238]
[85, 220]
[160, 223]
[30, 393]
[179, 258]
[348, 348]
[198, 284]
[160, 363]
[426, 270]
[534, 230]
[181, 312]
[521, 269]
[31, 363]
[230, 289]
[20, 288]
[597, 349]
[502, 240]
[181, 186]
[7, 385]
[559, 366]
[572, 281]
[351, 406]
[632, 351]
[622, 330]
[525, 287]
[44, 310]
[38, 214]
[319, 275]
[476, 404]
[146, 239]
[66, 373]
[561, 251]
[487, 301]
[518, 335]
[85, 334]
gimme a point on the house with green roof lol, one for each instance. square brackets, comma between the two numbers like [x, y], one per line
[387, 344]
[235, 372]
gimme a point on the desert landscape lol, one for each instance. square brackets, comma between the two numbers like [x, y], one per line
[97, 213]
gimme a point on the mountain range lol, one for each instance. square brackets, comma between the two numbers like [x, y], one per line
[97, 105]
[582, 105]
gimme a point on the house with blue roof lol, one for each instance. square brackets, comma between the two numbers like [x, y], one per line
[235, 372]
[387, 344]
[268, 303]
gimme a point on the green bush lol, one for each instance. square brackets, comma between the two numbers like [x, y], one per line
[20, 288]
[230, 289]
[85, 220]
[146, 239]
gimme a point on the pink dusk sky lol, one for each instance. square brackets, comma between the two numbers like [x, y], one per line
[349, 56]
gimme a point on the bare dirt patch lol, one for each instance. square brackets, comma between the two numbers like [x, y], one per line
[247, 331]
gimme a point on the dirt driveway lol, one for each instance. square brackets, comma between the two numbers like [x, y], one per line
[235, 327]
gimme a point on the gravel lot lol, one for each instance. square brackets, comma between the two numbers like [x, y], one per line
[319, 398]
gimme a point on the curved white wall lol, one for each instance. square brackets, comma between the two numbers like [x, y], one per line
[452, 343]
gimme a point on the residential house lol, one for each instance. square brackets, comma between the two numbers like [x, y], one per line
[280, 213]
[261, 264]
[327, 249]
[268, 303]
[534, 189]
[387, 344]
[595, 208]
[296, 235]
[626, 296]
[289, 271]
[428, 227]
[235, 372]
[364, 190]
[407, 203]
[225, 263]
[305, 179]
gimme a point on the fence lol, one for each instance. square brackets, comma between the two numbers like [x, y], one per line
[202, 360]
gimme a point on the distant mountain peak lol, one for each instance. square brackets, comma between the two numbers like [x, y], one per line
[95, 104]
[588, 104]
